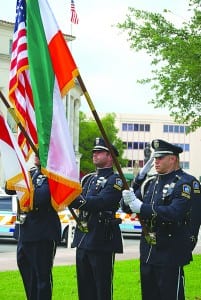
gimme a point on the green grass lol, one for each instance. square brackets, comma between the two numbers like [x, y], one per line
[126, 282]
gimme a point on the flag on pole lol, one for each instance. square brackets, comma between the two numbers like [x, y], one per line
[74, 17]
[14, 165]
[20, 92]
[52, 72]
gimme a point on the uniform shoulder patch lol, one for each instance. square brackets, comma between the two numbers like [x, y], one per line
[196, 187]
[118, 184]
[186, 190]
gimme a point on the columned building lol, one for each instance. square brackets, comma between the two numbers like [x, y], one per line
[71, 102]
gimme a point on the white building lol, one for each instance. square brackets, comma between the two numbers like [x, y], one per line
[136, 131]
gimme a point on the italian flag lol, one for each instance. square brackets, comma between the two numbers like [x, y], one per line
[15, 168]
[52, 72]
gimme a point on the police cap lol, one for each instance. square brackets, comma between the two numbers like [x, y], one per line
[100, 145]
[162, 148]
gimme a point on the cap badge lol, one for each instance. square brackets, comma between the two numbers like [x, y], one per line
[156, 144]
[97, 141]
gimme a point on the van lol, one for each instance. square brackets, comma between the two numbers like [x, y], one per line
[8, 214]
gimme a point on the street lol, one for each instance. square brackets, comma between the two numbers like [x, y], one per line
[66, 256]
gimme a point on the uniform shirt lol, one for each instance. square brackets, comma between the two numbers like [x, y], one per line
[97, 205]
[167, 210]
[42, 223]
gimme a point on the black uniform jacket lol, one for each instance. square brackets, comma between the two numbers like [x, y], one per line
[97, 206]
[42, 223]
[168, 201]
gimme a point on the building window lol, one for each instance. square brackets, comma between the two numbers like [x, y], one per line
[147, 127]
[182, 129]
[124, 127]
[135, 145]
[165, 128]
[141, 145]
[10, 47]
[171, 127]
[130, 145]
[136, 127]
[185, 147]
[185, 165]
[175, 128]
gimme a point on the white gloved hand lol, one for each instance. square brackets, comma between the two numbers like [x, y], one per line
[147, 167]
[131, 200]
[128, 196]
[135, 206]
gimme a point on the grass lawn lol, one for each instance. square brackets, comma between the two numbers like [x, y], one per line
[126, 282]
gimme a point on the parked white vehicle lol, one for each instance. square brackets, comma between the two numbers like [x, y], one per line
[8, 213]
[68, 225]
[130, 225]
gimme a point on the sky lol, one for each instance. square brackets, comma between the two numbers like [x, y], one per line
[108, 67]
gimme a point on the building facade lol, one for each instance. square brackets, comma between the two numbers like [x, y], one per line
[71, 101]
[136, 131]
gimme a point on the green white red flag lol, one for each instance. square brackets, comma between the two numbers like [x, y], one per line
[15, 168]
[52, 73]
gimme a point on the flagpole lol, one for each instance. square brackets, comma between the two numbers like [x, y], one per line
[116, 162]
[11, 111]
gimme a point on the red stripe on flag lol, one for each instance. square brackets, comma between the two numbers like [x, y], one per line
[20, 92]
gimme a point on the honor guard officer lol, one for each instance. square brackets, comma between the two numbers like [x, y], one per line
[38, 233]
[100, 238]
[167, 204]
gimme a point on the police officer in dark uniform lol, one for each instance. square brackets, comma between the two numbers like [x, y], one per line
[166, 204]
[38, 233]
[99, 237]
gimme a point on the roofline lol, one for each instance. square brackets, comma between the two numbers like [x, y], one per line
[67, 37]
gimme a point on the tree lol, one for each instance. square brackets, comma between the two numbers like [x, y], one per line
[175, 58]
[89, 130]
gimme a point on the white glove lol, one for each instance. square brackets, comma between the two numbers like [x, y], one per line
[128, 196]
[147, 167]
[131, 200]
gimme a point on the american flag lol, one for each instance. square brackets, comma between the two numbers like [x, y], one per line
[74, 17]
[20, 91]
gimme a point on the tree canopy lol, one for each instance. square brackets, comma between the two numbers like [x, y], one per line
[175, 59]
[89, 130]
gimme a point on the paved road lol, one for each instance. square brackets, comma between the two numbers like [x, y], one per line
[66, 256]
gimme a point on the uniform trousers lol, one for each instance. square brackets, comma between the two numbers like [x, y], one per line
[162, 282]
[94, 274]
[35, 262]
